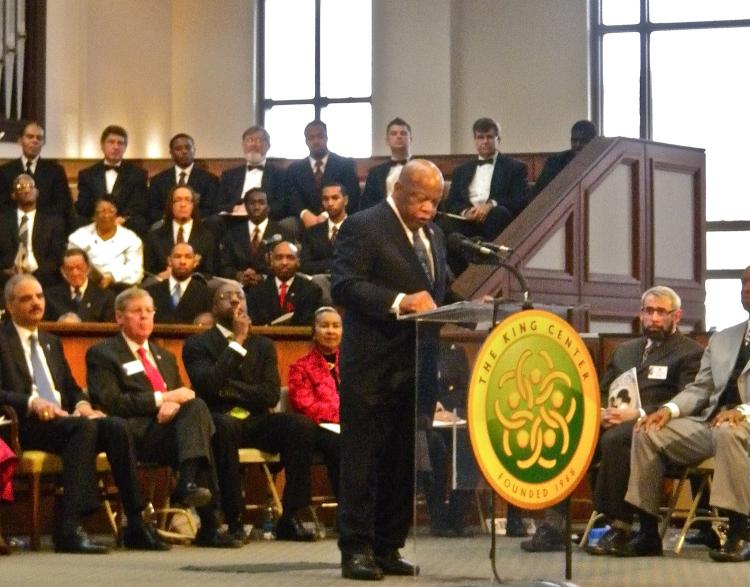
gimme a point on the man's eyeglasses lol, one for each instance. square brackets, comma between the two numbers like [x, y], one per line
[661, 312]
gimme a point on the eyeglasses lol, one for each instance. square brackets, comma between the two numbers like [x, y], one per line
[661, 312]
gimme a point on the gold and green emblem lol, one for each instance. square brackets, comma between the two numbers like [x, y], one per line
[533, 409]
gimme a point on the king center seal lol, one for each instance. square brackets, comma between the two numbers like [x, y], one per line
[533, 409]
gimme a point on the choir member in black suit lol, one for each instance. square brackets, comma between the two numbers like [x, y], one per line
[55, 416]
[488, 192]
[257, 172]
[388, 260]
[30, 241]
[580, 135]
[49, 176]
[284, 292]
[78, 298]
[235, 372]
[138, 380]
[381, 178]
[114, 179]
[182, 224]
[244, 247]
[306, 176]
[183, 172]
[182, 296]
[318, 240]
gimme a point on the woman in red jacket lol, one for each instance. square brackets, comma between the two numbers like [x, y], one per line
[314, 387]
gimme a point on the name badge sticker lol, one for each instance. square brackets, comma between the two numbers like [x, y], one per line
[133, 367]
[657, 372]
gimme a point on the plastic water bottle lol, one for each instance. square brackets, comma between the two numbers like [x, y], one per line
[268, 524]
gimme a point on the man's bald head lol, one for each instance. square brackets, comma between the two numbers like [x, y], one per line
[417, 192]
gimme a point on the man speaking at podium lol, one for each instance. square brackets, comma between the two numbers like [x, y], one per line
[389, 260]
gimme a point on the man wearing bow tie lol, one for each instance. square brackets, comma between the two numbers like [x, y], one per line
[388, 260]
[114, 179]
[257, 172]
[708, 418]
[382, 178]
[55, 416]
[488, 192]
[183, 172]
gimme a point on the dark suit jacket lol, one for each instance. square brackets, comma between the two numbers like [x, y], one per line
[236, 254]
[272, 183]
[301, 190]
[508, 187]
[196, 299]
[373, 262]
[52, 183]
[97, 304]
[375, 188]
[554, 165]
[129, 193]
[224, 379]
[16, 378]
[120, 394]
[302, 298]
[317, 250]
[47, 242]
[202, 181]
[159, 243]
[679, 354]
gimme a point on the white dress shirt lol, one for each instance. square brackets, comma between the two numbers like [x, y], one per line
[31, 262]
[479, 188]
[120, 256]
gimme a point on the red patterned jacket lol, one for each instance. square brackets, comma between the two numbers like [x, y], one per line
[312, 390]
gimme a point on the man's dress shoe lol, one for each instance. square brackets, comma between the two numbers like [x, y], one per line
[545, 539]
[78, 542]
[290, 528]
[216, 539]
[610, 541]
[142, 536]
[191, 495]
[392, 563]
[735, 550]
[640, 545]
[360, 567]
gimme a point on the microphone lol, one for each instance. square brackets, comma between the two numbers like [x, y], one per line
[489, 251]
[505, 250]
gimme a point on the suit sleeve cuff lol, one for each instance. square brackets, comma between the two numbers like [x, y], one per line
[158, 398]
[744, 409]
[642, 412]
[672, 407]
[238, 348]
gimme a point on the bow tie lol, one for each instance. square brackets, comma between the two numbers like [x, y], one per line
[485, 162]
[393, 163]
[115, 168]
[259, 167]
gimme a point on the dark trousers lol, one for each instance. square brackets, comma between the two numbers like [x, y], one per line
[290, 435]
[328, 444]
[614, 472]
[78, 441]
[376, 492]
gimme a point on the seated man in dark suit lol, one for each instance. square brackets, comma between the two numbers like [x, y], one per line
[488, 192]
[184, 172]
[284, 292]
[580, 135]
[30, 241]
[133, 378]
[256, 173]
[181, 297]
[318, 240]
[49, 177]
[55, 416]
[78, 299]
[245, 245]
[381, 178]
[182, 224]
[307, 176]
[122, 182]
[235, 373]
